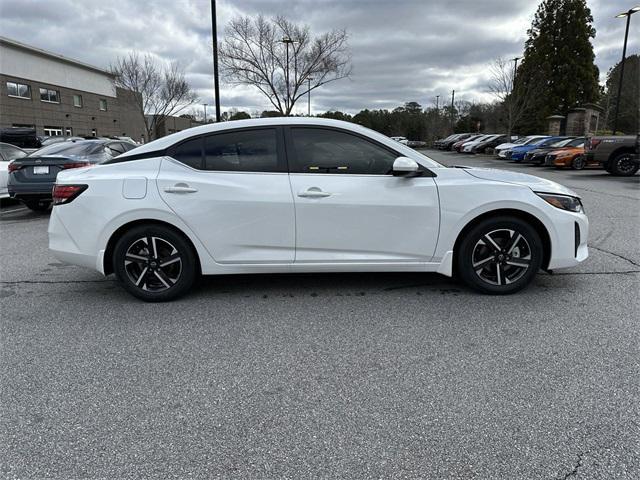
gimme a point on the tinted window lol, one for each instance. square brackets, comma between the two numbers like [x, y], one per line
[116, 147]
[70, 149]
[330, 151]
[190, 153]
[242, 151]
[578, 142]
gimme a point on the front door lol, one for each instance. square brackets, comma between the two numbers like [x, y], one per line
[349, 206]
[232, 190]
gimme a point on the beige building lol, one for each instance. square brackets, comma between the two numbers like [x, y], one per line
[60, 96]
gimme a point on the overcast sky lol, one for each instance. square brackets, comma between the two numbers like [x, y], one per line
[403, 50]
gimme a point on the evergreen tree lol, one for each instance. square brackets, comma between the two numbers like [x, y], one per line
[558, 62]
[629, 115]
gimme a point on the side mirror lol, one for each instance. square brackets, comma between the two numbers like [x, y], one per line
[405, 167]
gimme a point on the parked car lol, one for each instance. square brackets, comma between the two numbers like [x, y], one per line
[438, 143]
[569, 156]
[467, 147]
[449, 143]
[31, 178]
[517, 154]
[20, 137]
[458, 145]
[44, 141]
[339, 198]
[8, 153]
[538, 154]
[618, 155]
[402, 140]
[500, 150]
[489, 143]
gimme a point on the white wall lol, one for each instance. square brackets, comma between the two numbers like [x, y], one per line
[20, 63]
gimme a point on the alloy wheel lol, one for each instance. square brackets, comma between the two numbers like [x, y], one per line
[153, 264]
[501, 257]
[625, 165]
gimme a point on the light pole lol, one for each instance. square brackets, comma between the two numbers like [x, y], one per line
[309, 96]
[453, 96]
[624, 53]
[205, 105]
[287, 41]
[515, 70]
[214, 31]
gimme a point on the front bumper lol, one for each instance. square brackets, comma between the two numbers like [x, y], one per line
[569, 248]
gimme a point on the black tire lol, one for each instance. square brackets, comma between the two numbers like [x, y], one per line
[134, 260]
[623, 165]
[38, 206]
[508, 261]
[578, 162]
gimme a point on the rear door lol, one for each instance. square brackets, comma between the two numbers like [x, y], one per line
[349, 206]
[232, 189]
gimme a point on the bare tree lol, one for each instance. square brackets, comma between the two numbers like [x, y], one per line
[160, 89]
[514, 101]
[281, 59]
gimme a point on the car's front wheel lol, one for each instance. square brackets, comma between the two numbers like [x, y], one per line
[154, 263]
[500, 255]
[578, 162]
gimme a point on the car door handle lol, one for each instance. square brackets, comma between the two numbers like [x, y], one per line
[313, 192]
[180, 189]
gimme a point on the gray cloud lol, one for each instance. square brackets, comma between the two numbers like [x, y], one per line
[407, 50]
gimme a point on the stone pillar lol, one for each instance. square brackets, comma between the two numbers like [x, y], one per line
[554, 123]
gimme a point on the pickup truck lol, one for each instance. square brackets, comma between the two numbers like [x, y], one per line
[618, 155]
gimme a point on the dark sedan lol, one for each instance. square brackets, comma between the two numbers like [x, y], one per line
[537, 155]
[31, 178]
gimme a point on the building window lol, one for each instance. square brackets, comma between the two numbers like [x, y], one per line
[77, 101]
[53, 131]
[103, 105]
[47, 95]
[68, 132]
[94, 132]
[19, 90]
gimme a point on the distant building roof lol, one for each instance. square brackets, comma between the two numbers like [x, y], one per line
[51, 55]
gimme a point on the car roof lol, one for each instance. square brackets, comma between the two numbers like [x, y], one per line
[165, 142]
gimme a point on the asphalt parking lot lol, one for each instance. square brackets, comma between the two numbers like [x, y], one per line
[333, 375]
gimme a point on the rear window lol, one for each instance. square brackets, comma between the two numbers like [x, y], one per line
[70, 149]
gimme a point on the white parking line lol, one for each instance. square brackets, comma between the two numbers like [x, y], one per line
[18, 208]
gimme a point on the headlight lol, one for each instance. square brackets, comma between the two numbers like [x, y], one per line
[564, 202]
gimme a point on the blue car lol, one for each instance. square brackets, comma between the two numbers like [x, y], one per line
[517, 153]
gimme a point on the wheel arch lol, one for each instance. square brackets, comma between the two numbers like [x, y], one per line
[120, 231]
[620, 150]
[520, 214]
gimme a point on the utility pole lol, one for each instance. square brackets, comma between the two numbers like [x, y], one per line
[309, 96]
[437, 102]
[624, 54]
[205, 105]
[216, 86]
[453, 96]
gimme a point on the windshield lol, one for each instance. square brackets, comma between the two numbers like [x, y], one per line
[520, 141]
[533, 141]
[70, 149]
[561, 143]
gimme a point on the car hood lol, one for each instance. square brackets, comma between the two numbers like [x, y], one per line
[536, 184]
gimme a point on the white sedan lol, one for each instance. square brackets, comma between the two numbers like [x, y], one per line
[306, 195]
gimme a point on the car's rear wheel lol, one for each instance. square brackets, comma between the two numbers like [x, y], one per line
[500, 255]
[623, 165]
[578, 162]
[154, 263]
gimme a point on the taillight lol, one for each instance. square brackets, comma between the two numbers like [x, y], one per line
[66, 193]
[12, 167]
[76, 165]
